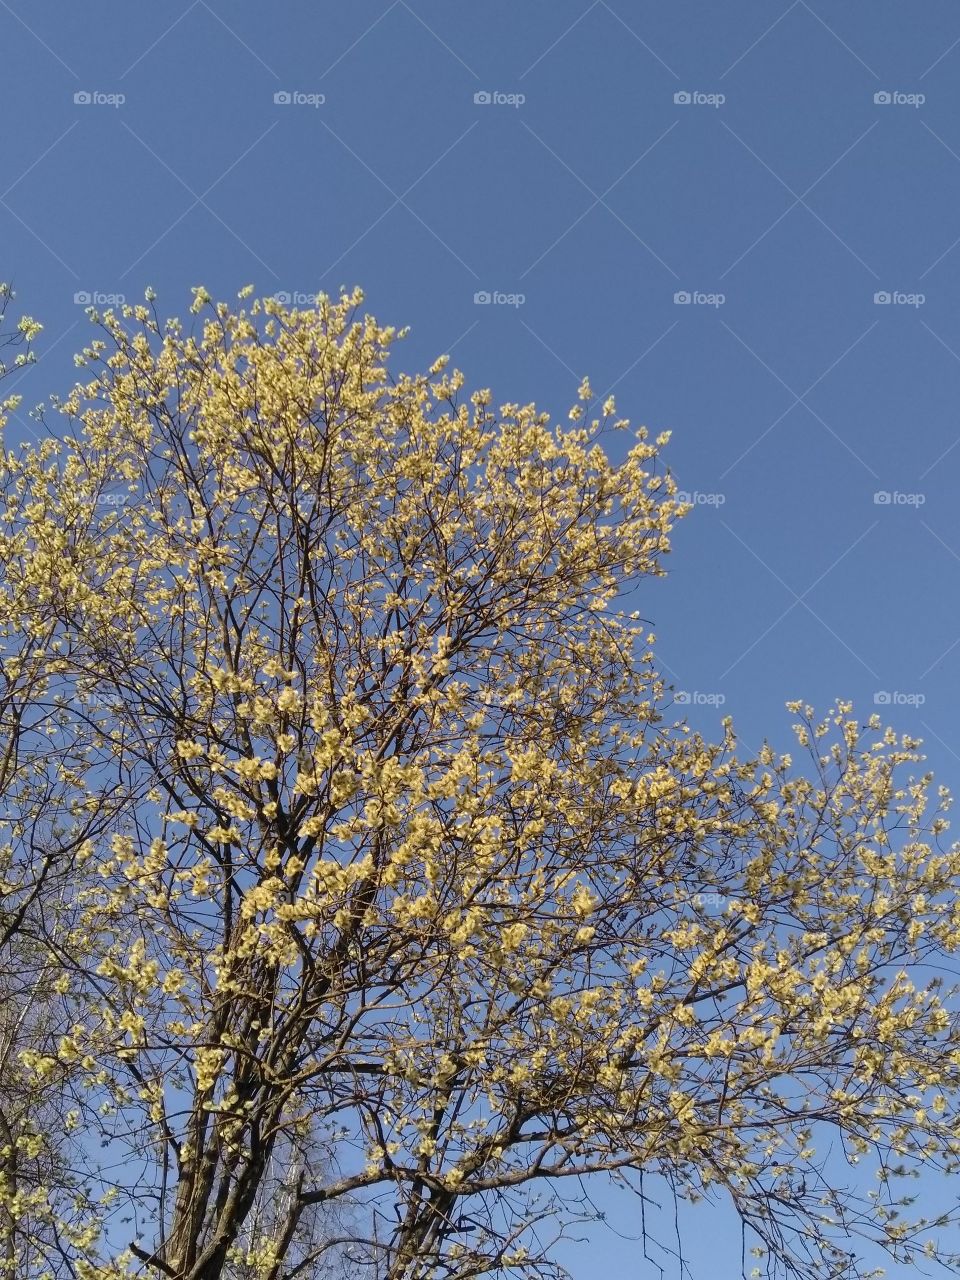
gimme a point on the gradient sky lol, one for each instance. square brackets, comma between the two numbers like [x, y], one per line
[782, 197]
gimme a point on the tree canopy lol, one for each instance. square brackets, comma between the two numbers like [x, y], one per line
[362, 893]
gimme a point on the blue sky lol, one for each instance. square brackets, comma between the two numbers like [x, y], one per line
[791, 169]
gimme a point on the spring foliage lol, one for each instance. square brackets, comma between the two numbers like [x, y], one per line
[384, 877]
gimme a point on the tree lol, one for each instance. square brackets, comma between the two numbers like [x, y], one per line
[407, 888]
[48, 812]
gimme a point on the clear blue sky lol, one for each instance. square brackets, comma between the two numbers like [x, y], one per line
[598, 197]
